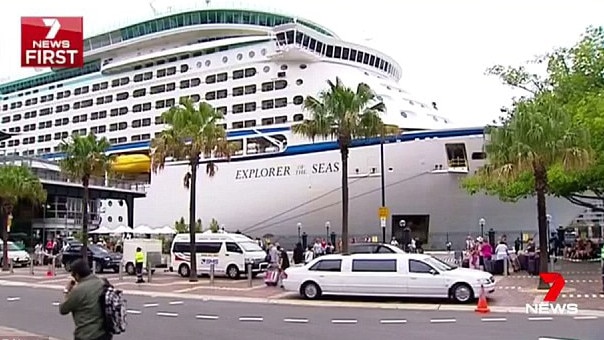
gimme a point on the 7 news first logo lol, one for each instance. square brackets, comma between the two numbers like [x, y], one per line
[52, 42]
[548, 306]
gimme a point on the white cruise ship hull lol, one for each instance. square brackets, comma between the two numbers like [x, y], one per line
[272, 195]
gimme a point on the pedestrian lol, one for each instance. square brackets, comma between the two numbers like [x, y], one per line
[283, 264]
[298, 254]
[309, 255]
[83, 300]
[139, 259]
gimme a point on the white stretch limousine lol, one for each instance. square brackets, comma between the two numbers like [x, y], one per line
[405, 275]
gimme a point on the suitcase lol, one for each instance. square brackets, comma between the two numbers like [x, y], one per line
[271, 277]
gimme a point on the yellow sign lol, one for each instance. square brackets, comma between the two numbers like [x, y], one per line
[383, 212]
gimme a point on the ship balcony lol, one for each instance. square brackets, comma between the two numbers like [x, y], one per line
[294, 52]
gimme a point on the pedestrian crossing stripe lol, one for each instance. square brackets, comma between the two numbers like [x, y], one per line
[583, 296]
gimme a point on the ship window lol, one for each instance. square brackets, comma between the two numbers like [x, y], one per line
[238, 74]
[146, 121]
[121, 96]
[329, 51]
[298, 117]
[157, 89]
[170, 102]
[237, 125]
[250, 89]
[280, 84]
[267, 121]
[123, 126]
[353, 54]
[289, 36]
[220, 77]
[337, 53]
[239, 56]
[195, 98]
[184, 84]
[266, 69]
[139, 93]
[303, 66]
[299, 82]
[366, 58]
[222, 110]
[170, 87]
[159, 120]
[137, 108]
[210, 95]
[211, 79]
[478, 155]
[113, 127]
[268, 86]
[123, 81]
[312, 44]
[298, 100]
[171, 71]
[238, 91]
[135, 138]
[360, 57]
[305, 41]
[136, 123]
[161, 73]
[250, 72]
[283, 67]
[184, 68]
[237, 108]
[96, 87]
[138, 78]
[160, 104]
[195, 82]
[103, 114]
[86, 103]
[299, 37]
[250, 107]
[404, 114]
[268, 104]
[280, 102]
[5, 119]
[252, 54]
[280, 119]
[345, 53]
[372, 60]
[148, 76]
[250, 123]
[220, 94]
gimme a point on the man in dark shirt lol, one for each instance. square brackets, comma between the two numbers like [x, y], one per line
[83, 300]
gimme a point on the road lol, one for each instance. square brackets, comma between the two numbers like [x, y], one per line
[35, 310]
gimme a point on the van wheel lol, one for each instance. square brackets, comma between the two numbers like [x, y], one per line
[462, 293]
[130, 268]
[184, 270]
[233, 272]
[310, 290]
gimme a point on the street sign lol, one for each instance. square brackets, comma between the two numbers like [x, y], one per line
[383, 222]
[383, 212]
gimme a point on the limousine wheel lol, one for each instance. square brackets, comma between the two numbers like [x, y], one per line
[311, 290]
[462, 293]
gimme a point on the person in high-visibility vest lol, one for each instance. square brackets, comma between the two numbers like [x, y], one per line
[139, 259]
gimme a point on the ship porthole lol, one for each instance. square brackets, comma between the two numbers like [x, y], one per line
[208, 63]
[299, 82]
[225, 59]
[239, 56]
[199, 64]
[266, 69]
[263, 51]
[251, 54]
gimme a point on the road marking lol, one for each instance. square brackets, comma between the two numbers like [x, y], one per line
[541, 318]
[392, 322]
[55, 303]
[344, 321]
[251, 319]
[494, 319]
[133, 311]
[295, 320]
[442, 320]
[166, 314]
[147, 305]
[206, 317]
[585, 317]
[14, 298]
[175, 303]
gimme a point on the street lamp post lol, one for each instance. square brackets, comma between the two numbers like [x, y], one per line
[383, 181]
[481, 223]
[550, 249]
[299, 228]
[327, 224]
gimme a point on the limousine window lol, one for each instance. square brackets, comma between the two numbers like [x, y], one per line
[327, 266]
[416, 266]
[374, 266]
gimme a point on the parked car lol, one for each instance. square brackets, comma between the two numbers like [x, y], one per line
[19, 256]
[99, 257]
[374, 248]
[395, 274]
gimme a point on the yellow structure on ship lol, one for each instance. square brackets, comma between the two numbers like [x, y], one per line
[132, 164]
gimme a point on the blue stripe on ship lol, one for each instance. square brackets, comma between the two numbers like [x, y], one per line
[306, 148]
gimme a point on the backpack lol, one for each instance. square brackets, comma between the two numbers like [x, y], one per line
[114, 309]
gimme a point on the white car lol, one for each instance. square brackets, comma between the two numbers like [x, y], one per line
[396, 274]
[19, 256]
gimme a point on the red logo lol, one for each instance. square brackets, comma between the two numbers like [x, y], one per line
[52, 42]
[557, 281]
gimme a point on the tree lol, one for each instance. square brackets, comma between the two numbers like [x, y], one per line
[17, 184]
[85, 157]
[344, 114]
[181, 227]
[537, 136]
[214, 226]
[193, 133]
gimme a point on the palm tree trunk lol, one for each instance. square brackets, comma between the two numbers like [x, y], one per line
[540, 189]
[192, 220]
[85, 183]
[344, 153]
[4, 225]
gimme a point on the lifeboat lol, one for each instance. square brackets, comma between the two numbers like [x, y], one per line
[132, 164]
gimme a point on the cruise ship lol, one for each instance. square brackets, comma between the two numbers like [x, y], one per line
[257, 68]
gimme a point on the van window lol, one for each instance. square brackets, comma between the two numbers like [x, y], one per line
[327, 266]
[233, 247]
[416, 266]
[208, 247]
[181, 247]
[374, 266]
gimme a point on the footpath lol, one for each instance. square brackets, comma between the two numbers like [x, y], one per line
[16, 334]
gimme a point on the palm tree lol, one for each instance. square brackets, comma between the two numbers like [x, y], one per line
[344, 114]
[17, 184]
[193, 133]
[85, 157]
[537, 136]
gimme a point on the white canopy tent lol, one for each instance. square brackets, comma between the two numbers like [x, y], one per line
[122, 230]
[101, 230]
[143, 229]
[166, 230]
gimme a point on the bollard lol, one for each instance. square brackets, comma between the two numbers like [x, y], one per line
[31, 266]
[93, 267]
[12, 266]
[120, 270]
[53, 264]
[212, 273]
[505, 267]
[149, 271]
[249, 274]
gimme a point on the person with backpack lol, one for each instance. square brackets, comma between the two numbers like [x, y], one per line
[83, 299]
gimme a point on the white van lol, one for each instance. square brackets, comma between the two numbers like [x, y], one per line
[228, 251]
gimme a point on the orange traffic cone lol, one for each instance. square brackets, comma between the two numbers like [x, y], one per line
[482, 307]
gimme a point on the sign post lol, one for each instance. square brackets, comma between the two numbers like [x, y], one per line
[383, 213]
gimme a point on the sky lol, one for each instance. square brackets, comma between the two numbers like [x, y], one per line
[443, 46]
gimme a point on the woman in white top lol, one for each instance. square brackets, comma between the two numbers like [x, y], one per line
[308, 255]
[501, 252]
